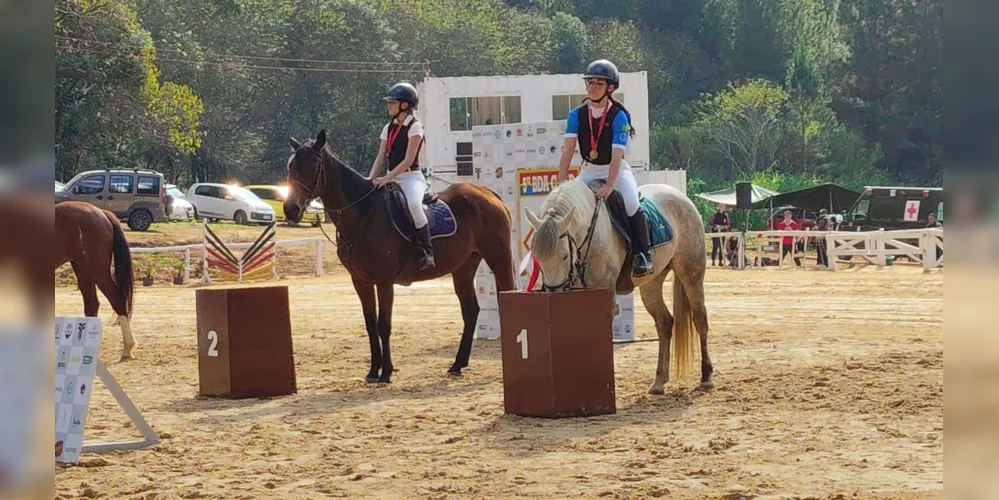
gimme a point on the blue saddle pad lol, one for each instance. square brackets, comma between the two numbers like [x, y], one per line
[440, 218]
[660, 232]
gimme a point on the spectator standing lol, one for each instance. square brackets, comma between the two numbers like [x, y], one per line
[933, 223]
[719, 222]
[788, 224]
[824, 223]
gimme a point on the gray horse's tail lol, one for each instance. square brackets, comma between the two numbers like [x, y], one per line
[684, 332]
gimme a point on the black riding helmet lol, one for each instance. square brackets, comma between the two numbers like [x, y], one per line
[404, 92]
[604, 70]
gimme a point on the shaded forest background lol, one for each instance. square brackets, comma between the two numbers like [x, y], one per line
[787, 93]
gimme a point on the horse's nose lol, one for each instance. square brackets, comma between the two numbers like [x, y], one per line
[291, 212]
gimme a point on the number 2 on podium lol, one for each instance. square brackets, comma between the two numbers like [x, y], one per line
[522, 340]
[214, 339]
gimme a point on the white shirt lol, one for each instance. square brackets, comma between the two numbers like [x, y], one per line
[416, 129]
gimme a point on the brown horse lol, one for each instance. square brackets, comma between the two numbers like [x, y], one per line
[88, 237]
[377, 256]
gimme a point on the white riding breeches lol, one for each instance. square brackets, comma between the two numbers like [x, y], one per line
[625, 184]
[414, 184]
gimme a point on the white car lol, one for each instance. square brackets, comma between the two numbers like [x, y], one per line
[180, 209]
[227, 201]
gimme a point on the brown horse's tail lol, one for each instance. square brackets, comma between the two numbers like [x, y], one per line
[123, 274]
[684, 331]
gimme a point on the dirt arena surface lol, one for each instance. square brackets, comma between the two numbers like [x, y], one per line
[829, 385]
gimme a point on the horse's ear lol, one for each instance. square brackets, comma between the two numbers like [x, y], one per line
[294, 144]
[533, 219]
[320, 140]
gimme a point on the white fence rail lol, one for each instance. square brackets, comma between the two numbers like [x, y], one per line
[186, 249]
[923, 246]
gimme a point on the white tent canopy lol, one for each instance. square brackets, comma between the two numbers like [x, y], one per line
[727, 196]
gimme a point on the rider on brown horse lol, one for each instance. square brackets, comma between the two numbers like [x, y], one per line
[400, 144]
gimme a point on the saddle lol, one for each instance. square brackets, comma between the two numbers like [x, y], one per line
[440, 218]
[660, 232]
[615, 207]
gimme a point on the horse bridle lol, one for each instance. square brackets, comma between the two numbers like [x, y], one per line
[321, 176]
[577, 265]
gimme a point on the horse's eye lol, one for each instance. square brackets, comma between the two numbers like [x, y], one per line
[565, 257]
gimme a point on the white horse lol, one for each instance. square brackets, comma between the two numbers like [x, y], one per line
[577, 246]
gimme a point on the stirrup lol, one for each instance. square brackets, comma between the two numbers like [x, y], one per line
[427, 261]
[641, 266]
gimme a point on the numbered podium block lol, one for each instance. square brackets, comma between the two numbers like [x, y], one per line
[558, 353]
[244, 342]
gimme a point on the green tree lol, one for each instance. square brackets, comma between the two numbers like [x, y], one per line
[570, 44]
[892, 89]
[743, 124]
[112, 108]
[808, 106]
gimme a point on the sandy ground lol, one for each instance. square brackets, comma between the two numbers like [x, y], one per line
[828, 386]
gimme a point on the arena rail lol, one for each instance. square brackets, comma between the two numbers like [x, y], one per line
[726, 237]
[186, 249]
[923, 246]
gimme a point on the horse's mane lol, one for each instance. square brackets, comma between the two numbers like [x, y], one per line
[353, 183]
[568, 195]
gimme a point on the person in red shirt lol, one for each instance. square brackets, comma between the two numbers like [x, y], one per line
[788, 224]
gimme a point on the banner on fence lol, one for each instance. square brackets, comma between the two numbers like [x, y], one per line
[78, 343]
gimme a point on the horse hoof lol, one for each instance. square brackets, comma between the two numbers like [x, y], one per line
[125, 357]
[657, 390]
[707, 385]
[384, 380]
[371, 379]
[454, 373]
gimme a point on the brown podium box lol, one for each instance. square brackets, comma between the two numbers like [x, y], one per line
[558, 353]
[244, 342]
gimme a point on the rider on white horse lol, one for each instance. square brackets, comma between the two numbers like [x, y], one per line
[604, 127]
[401, 141]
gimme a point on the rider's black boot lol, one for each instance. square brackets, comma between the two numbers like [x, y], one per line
[427, 259]
[640, 246]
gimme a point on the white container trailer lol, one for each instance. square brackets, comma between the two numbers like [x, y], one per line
[450, 107]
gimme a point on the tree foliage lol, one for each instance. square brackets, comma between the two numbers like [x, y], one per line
[832, 90]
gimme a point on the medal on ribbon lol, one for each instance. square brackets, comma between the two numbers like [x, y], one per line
[595, 137]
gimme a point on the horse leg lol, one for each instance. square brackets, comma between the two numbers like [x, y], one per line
[91, 306]
[386, 296]
[366, 292]
[652, 298]
[110, 290]
[464, 288]
[694, 288]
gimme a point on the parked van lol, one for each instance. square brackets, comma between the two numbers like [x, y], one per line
[136, 196]
[893, 208]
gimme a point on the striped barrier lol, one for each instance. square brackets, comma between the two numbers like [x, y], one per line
[257, 262]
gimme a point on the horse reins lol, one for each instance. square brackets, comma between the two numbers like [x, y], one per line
[321, 179]
[577, 265]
